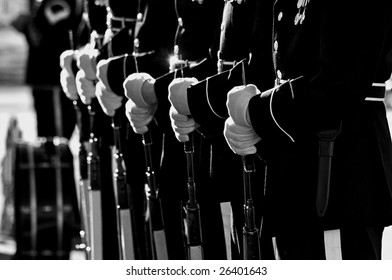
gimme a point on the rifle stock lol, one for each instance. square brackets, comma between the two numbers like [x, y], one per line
[83, 186]
[250, 232]
[195, 244]
[124, 217]
[93, 163]
[154, 203]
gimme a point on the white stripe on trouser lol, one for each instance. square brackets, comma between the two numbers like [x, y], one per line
[333, 247]
[275, 248]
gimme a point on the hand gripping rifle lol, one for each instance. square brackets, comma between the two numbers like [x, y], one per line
[82, 157]
[125, 216]
[154, 203]
[250, 232]
[94, 206]
[194, 233]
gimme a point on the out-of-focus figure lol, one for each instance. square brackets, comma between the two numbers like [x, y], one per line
[51, 27]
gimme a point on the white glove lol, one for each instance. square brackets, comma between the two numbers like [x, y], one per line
[67, 77]
[87, 61]
[86, 77]
[241, 139]
[182, 125]
[139, 117]
[238, 101]
[139, 87]
[108, 100]
[142, 103]
[238, 131]
[179, 112]
[85, 87]
[178, 94]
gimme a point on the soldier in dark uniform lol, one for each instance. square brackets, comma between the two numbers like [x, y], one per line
[325, 109]
[120, 20]
[194, 51]
[148, 52]
[47, 35]
[238, 23]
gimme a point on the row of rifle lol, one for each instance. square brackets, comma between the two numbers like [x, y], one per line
[90, 195]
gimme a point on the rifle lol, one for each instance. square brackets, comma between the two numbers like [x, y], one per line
[154, 203]
[84, 207]
[195, 243]
[194, 234]
[82, 157]
[94, 193]
[250, 232]
[124, 217]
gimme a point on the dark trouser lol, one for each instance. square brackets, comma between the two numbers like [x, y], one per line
[357, 244]
[55, 112]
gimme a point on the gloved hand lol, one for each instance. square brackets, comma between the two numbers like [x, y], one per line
[139, 117]
[142, 103]
[87, 60]
[238, 131]
[178, 94]
[139, 87]
[181, 122]
[86, 77]
[67, 76]
[182, 125]
[85, 87]
[108, 100]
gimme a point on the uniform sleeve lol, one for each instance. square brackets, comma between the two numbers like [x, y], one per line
[350, 46]
[207, 99]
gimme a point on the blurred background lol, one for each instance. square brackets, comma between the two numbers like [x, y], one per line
[16, 102]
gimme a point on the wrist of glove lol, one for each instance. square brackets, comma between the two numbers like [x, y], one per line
[238, 101]
[139, 87]
[178, 94]
[85, 87]
[181, 124]
[241, 139]
[66, 59]
[108, 100]
[67, 76]
[86, 61]
[68, 84]
[139, 117]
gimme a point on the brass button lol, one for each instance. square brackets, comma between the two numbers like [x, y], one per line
[276, 45]
[180, 22]
[279, 74]
[280, 16]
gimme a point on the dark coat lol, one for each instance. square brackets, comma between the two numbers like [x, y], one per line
[196, 38]
[339, 55]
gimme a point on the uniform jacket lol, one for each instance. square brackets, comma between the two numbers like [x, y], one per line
[338, 56]
[196, 41]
